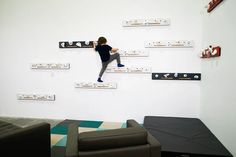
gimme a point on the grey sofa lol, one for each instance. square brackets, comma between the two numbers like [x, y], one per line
[133, 141]
[32, 141]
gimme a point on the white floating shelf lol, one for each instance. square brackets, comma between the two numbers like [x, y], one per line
[170, 44]
[133, 53]
[38, 97]
[146, 22]
[91, 85]
[128, 70]
[51, 66]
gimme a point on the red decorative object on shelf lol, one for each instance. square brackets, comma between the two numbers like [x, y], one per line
[211, 52]
[213, 4]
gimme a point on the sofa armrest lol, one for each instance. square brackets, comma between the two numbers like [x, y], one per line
[72, 141]
[24, 141]
[132, 123]
[155, 146]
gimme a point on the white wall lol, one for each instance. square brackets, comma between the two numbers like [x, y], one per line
[31, 29]
[218, 81]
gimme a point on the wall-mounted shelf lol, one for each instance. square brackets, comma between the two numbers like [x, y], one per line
[211, 52]
[91, 85]
[176, 76]
[170, 44]
[146, 22]
[38, 97]
[212, 4]
[76, 44]
[138, 70]
[133, 53]
[50, 66]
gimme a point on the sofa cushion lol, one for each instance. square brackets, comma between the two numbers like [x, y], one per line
[109, 139]
[6, 127]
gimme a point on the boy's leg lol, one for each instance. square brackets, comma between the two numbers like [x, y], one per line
[115, 56]
[104, 66]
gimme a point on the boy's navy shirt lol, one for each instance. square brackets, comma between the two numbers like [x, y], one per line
[104, 52]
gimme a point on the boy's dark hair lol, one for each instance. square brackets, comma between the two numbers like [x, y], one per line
[102, 40]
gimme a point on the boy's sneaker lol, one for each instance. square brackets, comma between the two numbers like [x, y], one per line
[120, 65]
[99, 80]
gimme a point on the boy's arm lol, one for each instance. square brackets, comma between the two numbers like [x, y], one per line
[94, 45]
[114, 50]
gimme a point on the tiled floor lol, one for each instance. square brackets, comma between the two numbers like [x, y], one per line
[59, 132]
[24, 122]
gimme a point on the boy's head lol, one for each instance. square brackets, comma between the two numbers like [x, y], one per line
[102, 40]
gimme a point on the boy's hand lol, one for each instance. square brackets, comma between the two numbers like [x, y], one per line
[94, 45]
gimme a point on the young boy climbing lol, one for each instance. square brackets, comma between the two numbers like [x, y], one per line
[104, 51]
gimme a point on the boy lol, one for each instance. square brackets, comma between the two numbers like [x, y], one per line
[104, 52]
